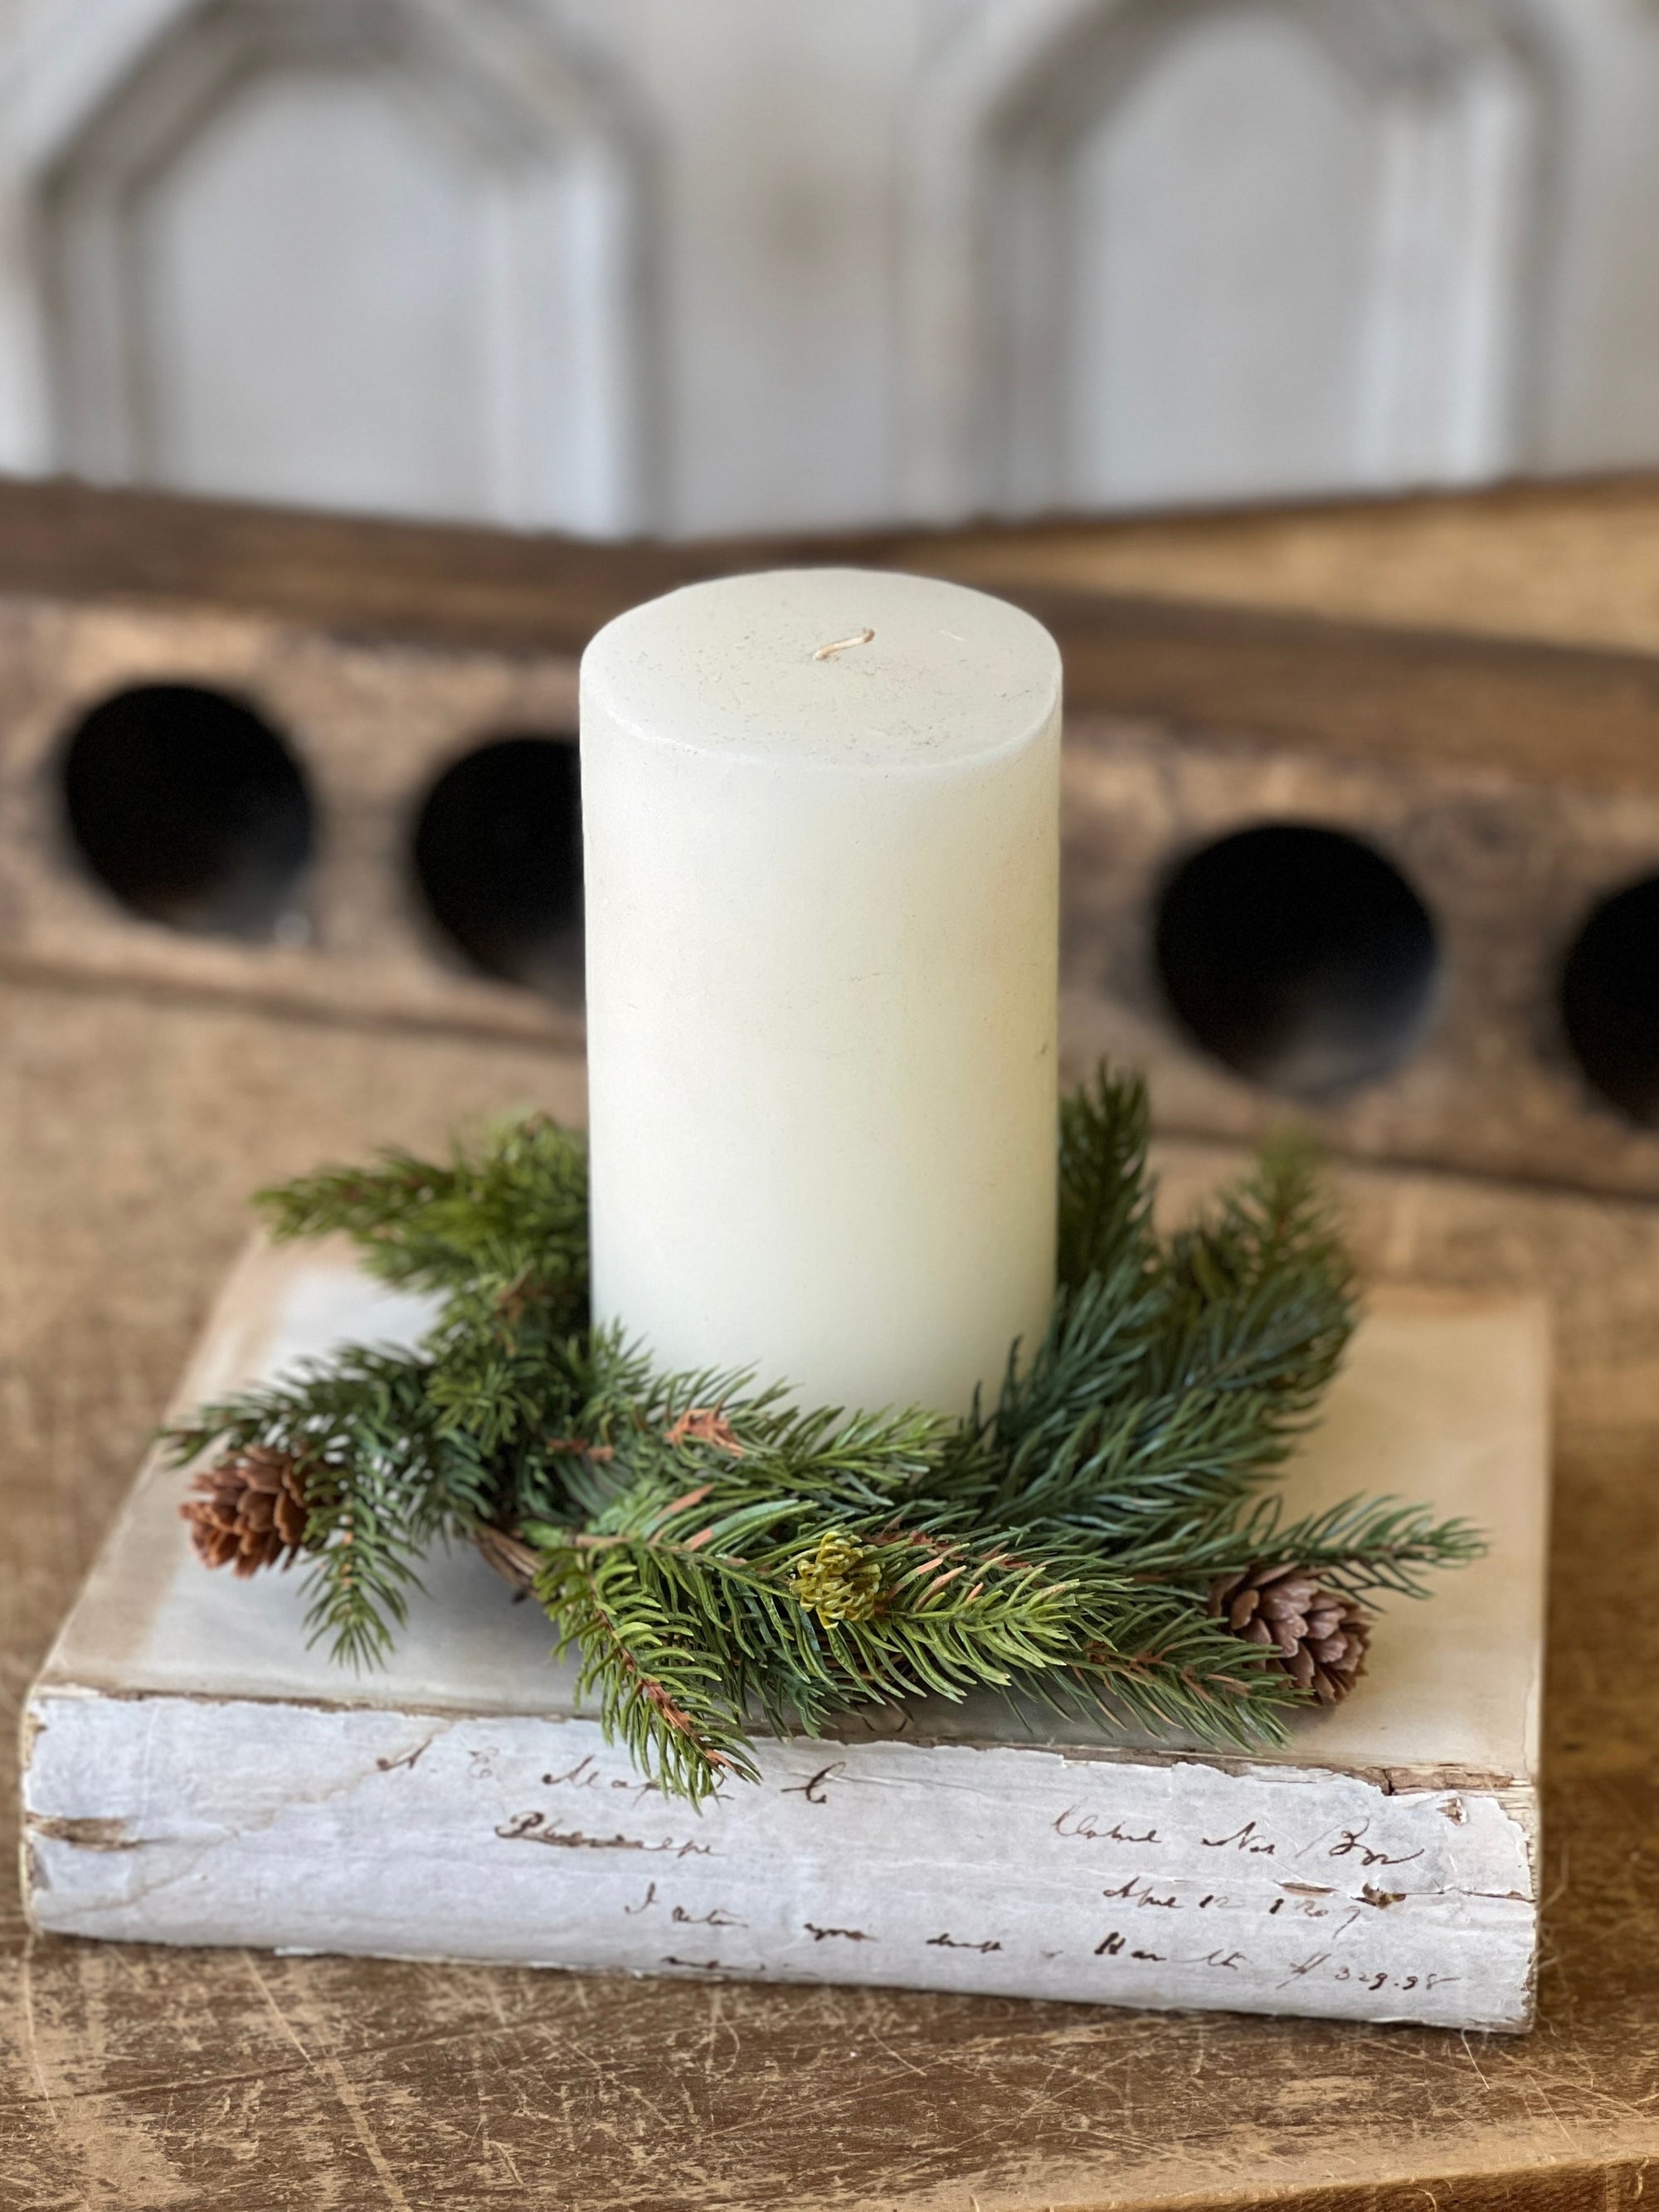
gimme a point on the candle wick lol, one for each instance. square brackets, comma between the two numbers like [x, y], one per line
[828, 651]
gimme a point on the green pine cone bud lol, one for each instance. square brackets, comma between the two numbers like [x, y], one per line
[838, 1580]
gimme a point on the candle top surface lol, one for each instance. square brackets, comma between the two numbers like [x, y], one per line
[850, 669]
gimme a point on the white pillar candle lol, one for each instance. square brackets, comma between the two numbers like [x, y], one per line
[820, 819]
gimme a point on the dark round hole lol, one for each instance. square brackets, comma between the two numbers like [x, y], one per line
[1610, 999]
[1298, 955]
[498, 853]
[190, 810]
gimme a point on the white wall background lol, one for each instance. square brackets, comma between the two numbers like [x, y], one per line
[708, 265]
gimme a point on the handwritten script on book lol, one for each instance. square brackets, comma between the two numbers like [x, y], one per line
[1256, 1880]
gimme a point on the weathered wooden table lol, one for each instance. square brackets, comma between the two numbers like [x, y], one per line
[133, 1119]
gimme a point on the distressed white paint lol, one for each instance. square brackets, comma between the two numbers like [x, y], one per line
[1193, 356]
[195, 1775]
[370, 254]
[1013, 1872]
[770, 264]
[758, 261]
[1223, 251]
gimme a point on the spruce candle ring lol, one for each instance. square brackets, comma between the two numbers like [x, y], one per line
[1097, 1534]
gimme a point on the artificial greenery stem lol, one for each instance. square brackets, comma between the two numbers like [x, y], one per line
[712, 1552]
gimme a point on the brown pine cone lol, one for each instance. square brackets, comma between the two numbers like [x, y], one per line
[1319, 1635]
[250, 1511]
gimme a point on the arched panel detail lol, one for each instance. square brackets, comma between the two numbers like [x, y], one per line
[371, 253]
[1220, 248]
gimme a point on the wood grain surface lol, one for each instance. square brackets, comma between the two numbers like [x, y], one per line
[1370, 625]
[130, 1130]
[1571, 563]
[134, 1119]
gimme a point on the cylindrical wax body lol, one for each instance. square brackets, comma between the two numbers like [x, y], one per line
[821, 821]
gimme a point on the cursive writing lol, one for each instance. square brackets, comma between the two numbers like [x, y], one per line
[1085, 1827]
[1138, 1891]
[586, 1775]
[812, 1790]
[1317, 1965]
[539, 1828]
[1351, 1842]
[1242, 1839]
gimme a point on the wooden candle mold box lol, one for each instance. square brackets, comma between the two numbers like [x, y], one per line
[1510, 783]
[193, 1775]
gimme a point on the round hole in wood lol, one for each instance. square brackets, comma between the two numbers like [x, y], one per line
[498, 856]
[1298, 955]
[1610, 999]
[190, 810]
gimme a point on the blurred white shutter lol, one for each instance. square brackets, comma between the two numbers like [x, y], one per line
[711, 264]
[1197, 251]
[368, 254]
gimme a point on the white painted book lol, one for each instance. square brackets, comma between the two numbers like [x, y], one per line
[192, 1774]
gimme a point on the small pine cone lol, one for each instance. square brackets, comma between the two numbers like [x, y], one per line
[250, 1511]
[1319, 1635]
[837, 1580]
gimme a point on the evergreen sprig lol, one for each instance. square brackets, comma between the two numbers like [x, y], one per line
[379, 1485]
[712, 1552]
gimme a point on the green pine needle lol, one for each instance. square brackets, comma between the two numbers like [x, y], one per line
[712, 1552]
[503, 1222]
